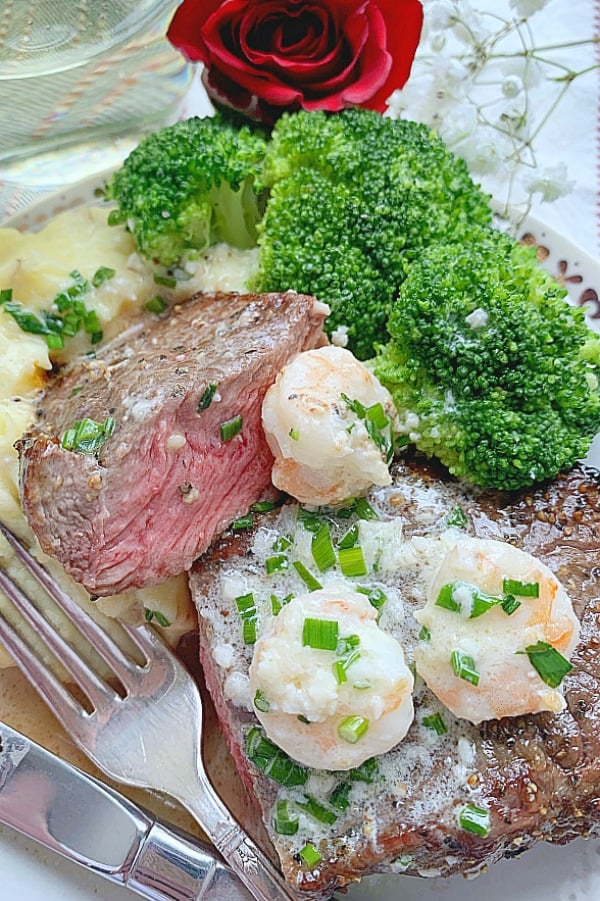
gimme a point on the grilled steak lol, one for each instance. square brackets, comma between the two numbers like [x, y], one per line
[187, 455]
[538, 776]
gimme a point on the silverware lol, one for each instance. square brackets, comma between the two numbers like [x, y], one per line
[50, 801]
[149, 733]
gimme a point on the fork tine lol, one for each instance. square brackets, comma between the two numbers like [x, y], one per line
[95, 688]
[65, 707]
[102, 643]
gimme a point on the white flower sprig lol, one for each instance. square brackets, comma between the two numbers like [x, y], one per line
[477, 81]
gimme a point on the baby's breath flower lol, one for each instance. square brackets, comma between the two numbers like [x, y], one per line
[551, 182]
[527, 8]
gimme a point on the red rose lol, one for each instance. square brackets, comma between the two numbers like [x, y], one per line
[262, 57]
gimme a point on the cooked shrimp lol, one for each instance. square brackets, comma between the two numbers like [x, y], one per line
[331, 708]
[468, 638]
[329, 424]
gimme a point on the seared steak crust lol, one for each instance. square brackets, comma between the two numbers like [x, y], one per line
[539, 776]
[168, 480]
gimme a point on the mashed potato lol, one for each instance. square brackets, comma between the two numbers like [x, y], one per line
[36, 267]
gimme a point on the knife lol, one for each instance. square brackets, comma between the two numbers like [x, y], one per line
[78, 816]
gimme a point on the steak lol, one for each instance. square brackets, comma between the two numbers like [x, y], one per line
[188, 454]
[538, 776]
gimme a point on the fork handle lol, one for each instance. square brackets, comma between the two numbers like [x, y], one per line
[243, 855]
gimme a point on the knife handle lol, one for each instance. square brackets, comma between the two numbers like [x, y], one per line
[169, 866]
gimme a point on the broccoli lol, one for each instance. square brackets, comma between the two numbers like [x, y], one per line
[367, 193]
[492, 370]
[190, 185]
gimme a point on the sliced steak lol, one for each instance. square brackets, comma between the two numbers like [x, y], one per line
[538, 776]
[169, 479]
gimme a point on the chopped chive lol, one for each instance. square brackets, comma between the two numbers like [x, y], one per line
[282, 543]
[310, 855]
[464, 667]
[156, 615]
[339, 797]
[480, 601]
[231, 427]
[456, 518]
[321, 634]
[276, 564]
[521, 589]
[156, 305]
[424, 634]
[247, 609]
[317, 810]
[277, 604]
[167, 281]
[352, 561]
[435, 722]
[101, 275]
[249, 631]
[340, 667]
[5, 295]
[510, 604]
[54, 342]
[263, 507]
[76, 391]
[86, 436]
[364, 510]
[310, 521]
[353, 728]
[377, 415]
[322, 548]
[283, 819]
[549, 663]
[376, 596]
[350, 538]
[474, 819]
[272, 761]
[294, 434]
[303, 719]
[307, 577]
[243, 522]
[366, 772]
[261, 702]
[207, 397]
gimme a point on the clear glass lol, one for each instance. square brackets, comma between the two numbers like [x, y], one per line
[80, 81]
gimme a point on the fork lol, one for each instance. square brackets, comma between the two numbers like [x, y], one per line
[151, 737]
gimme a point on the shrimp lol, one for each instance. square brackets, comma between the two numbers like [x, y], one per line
[330, 425]
[472, 653]
[331, 708]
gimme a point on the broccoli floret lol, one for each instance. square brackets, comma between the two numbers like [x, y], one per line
[492, 370]
[376, 188]
[190, 185]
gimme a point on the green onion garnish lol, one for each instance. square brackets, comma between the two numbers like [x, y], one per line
[5, 295]
[376, 596]
[352, 561]
[282, 543]
[294, 434]
[521, 589]
[464, 667]
[339, 797]
[320, 633]
[310, 521]
[317, 810]
[272, 761]
[424, 634]
[263, 507]
[167, 281]
[86, 436]
[474, 819]
[549, 663]
[310, 855]
[510, 604]
[247, 610]
[261, 702]
[283, 819]
[277, 604]
[156, 616]
[366, 772]
[322, 548]
[456, 518]
[231, 427]
[207, 398]
[350, 538]
[364, 510]
[435, 722]
[276, 563]
[307, 577]
[480, 601]
[101, 275]
[353, 728]
[243, 522]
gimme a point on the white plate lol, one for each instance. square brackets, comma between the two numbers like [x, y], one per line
[571, 873]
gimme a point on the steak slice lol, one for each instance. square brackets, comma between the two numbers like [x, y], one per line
[538, 776]
[169, 479]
